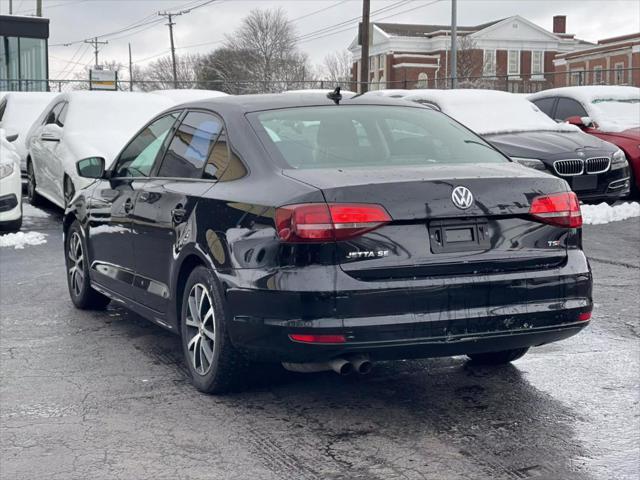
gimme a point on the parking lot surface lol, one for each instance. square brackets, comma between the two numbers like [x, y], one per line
[105, 395]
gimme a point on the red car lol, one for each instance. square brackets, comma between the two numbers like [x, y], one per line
[611, 113]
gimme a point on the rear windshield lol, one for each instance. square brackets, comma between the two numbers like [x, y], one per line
[371, 135]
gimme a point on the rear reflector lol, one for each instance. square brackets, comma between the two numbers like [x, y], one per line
[321, 222]
[561, 209]
[584, 316]
[298, 337]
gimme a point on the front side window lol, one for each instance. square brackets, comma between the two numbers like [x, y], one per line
[52, 116]
[567, 107]
[138, 158]
[514, 62]
[536, 62]
[357, 136]
[192, 147]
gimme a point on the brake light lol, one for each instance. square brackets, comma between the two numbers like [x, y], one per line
[561, 209]
[321, 222]
[298, 337]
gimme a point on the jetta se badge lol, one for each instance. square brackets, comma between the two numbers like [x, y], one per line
[462, 197]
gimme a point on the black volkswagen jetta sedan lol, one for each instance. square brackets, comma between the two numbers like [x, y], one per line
[327, 234]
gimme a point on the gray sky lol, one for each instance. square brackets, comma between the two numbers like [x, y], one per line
[73, 20]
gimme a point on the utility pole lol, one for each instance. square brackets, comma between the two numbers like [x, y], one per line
[364, 45]
[130, 70]
[173, 48]
[38, 8]
[95, 44]
[454, 45]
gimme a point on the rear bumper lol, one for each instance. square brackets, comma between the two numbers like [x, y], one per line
[420, 318]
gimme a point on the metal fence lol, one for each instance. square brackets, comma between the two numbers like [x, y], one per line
[510, 83]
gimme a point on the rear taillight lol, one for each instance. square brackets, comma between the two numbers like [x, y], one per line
[561, 209]
[321, 222]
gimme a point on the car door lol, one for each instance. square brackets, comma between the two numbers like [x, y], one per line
[112, 204]
[45, 142]
[162, 220]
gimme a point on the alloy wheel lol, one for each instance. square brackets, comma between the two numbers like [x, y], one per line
[76, 264]
[200, 323]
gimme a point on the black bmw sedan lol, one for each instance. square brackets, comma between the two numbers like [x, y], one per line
[326, 234]
[596, 170]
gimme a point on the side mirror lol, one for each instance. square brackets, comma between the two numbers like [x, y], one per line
[51, 133]
[92, 167]
[579, 121]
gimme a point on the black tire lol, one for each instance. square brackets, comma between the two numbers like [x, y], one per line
[498, 358]
[223, 370]
[34, 197]
[82, 294]
[68, 189]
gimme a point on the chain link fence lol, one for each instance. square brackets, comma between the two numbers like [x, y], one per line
[509, 83]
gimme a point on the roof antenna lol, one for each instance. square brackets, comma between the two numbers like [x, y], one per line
[335, 95]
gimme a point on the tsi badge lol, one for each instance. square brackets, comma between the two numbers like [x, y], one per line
[368, 254]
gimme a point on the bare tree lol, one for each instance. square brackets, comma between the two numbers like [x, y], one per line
[337, 66]
[159, 74]
[266, 43]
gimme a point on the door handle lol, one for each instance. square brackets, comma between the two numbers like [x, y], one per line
[128, 205]
[178, 214]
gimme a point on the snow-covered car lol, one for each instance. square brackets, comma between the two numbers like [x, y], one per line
[391, 92]
[10, 184]
[78, 125]
[611, 113]
[188, 94]
[320, 90]
[595, 169]
[18, 111]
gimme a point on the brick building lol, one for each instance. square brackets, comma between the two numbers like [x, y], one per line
[512, 53]
[613, 61]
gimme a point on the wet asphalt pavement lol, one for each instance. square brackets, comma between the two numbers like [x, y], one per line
[105, 395]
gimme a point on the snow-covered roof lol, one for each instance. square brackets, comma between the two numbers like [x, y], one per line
[490, 111]
[613, 108]
[320, 90]
[189, 95]
[389, 92]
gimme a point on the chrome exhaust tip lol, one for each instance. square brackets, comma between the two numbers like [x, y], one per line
[362, 364]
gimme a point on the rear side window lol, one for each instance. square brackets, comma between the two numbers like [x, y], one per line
[192, 147]
[370, 135]
[546, 105]
[567, 107]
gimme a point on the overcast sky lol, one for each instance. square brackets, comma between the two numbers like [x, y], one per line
[73, 20]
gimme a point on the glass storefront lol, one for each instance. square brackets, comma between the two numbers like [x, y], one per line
[23, 64]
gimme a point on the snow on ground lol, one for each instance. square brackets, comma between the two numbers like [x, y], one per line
[605, 213]
[29, 210]
[19, 240]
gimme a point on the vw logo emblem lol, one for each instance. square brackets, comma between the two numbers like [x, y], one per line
[462, 197]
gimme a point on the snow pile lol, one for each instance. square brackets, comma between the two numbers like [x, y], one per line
[29, 210]
[19, 240]
[490, 111]
[605, 213]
